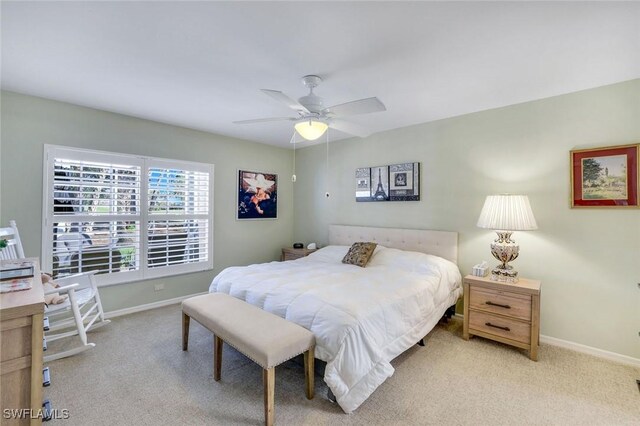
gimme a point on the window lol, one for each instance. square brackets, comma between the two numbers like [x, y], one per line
[127, 217]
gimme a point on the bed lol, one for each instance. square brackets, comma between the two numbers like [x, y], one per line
[362, 317]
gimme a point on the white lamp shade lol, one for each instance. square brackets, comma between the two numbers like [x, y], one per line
[507, 213]
[311, 129]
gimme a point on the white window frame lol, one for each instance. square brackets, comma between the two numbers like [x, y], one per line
[145, 162]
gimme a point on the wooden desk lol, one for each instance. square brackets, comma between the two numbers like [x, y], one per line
[21, 333]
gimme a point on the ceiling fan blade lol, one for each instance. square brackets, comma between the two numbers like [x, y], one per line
[362, 106]
[281, 97]
[264, 120]
[350, 128]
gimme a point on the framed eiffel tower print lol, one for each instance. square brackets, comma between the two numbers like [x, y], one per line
[398, 182]
[380, 183]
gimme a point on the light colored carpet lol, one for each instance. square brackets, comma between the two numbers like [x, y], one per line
[138, 375]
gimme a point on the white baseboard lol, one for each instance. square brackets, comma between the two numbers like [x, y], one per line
[147, 306]
[600, 353]
[577, 347]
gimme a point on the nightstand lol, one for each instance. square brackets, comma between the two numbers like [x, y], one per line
[504, 312]
[289, 253]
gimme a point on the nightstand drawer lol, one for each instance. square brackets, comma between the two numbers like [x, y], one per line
[293, 256]
[501, 302]
[289, 253]
[500, 326]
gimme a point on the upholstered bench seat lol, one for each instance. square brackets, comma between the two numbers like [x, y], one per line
[265, 338]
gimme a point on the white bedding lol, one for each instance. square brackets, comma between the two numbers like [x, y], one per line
[362, 317]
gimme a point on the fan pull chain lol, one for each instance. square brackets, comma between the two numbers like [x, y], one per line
[293, 141]
[326, 194]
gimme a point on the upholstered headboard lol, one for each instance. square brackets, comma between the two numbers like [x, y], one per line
[438, 243]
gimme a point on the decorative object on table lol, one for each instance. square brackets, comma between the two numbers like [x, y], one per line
[257, 195]
[314, 118]
[397, 182]
[506, 213]
[481, 269]
[312, 246]
[298, 245]
[605, 177]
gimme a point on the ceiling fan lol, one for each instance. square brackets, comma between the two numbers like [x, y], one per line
[314, 119]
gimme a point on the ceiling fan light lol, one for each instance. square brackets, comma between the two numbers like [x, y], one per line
[311, 129]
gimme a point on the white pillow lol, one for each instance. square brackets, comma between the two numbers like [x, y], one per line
[329, 254]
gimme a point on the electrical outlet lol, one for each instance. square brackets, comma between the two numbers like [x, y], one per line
[158, 287]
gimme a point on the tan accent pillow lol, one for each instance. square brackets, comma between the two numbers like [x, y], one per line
[359, 254]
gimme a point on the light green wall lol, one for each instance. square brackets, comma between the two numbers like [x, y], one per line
[28, 123]
[588, 260]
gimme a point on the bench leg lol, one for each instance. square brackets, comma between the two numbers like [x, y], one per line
[309, 358]
[185, 331]
[269, 381]
[217, 357]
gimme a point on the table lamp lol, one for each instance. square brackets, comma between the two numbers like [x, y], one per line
[506, 213]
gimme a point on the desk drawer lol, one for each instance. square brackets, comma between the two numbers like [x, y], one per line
[15, 342]
[500, 326]
[501, 302]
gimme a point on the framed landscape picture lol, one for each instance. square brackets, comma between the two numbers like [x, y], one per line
[605, 177]
[257, 195]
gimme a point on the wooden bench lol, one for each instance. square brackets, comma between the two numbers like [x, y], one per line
[265, 338]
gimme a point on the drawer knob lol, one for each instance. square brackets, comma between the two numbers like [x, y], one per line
[488, 324]
[490, 303]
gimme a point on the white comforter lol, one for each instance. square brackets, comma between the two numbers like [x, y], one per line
[362, 317]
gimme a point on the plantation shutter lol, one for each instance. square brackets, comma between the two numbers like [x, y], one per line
[94, 213]
[126, 217]
[178, 206]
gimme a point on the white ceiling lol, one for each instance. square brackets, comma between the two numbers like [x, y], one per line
[201, 64]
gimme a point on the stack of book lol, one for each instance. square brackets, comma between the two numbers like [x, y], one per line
[16, 275]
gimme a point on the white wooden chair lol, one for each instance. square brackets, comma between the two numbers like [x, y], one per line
[83, 302]
[86, 313]
[13, 250]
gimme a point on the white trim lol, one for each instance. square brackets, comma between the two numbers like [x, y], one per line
[148, 306]
[600, 353]
[589, 350]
